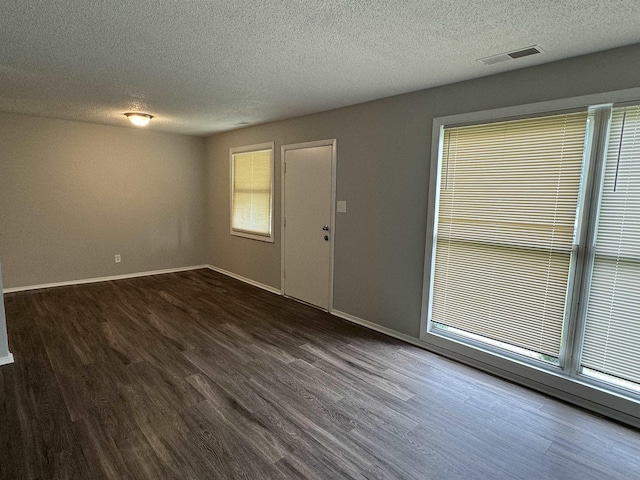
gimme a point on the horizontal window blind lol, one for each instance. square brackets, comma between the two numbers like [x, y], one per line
[612, 330]
[252, 192]
[506, 211]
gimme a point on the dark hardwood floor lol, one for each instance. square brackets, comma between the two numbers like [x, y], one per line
[198, 376]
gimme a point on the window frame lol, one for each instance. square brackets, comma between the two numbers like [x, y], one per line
[427, 331]
[576, 368]
[495, 345]
[244, 233]
[564, 380]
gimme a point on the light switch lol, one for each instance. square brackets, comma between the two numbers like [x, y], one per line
[342, 206]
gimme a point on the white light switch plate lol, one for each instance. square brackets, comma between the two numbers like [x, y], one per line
[342, 206]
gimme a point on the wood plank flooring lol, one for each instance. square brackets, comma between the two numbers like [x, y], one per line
[195, 375]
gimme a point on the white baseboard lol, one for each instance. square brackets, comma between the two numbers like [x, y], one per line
[246, 280]
[103, 279]
[7, 359]
[378, 328]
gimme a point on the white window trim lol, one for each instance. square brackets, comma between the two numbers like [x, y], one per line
[252, 148]
[588, 392]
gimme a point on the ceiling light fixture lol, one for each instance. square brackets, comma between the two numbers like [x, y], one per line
[138, 119]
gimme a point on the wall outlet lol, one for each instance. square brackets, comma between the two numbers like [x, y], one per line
[118, 258]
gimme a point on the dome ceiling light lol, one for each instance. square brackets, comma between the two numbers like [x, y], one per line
[139, 119]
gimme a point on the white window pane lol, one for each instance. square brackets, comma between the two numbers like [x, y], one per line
[612, 329]
[507, 202]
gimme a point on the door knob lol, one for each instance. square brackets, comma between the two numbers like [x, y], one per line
[325, 228]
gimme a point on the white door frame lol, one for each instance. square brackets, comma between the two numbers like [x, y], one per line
[332, 231]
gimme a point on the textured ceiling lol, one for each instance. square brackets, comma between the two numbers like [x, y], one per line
[204, 66]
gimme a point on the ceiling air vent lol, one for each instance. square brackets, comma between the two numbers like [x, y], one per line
[503, 57]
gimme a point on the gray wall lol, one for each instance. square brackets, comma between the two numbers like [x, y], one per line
[383, 169]
[72, 195]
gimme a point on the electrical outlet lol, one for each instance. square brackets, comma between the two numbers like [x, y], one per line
[118, 258]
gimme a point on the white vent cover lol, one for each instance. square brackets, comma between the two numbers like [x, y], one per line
[503, 57]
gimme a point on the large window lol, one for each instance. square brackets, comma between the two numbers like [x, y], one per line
[252, 191]
[536, 241]
[505, 229]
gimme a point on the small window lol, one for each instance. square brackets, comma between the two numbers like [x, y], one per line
[252, 191]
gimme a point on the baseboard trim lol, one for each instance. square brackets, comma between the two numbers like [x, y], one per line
[245, 280]
[103, 279]
[378, 328]
[539, 386]
[6, 360]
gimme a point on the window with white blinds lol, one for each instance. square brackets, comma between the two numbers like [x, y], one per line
[252, 192]
[533, 252]
[612, 328]
[508, 194]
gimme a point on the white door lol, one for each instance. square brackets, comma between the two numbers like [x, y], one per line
[308, 197]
